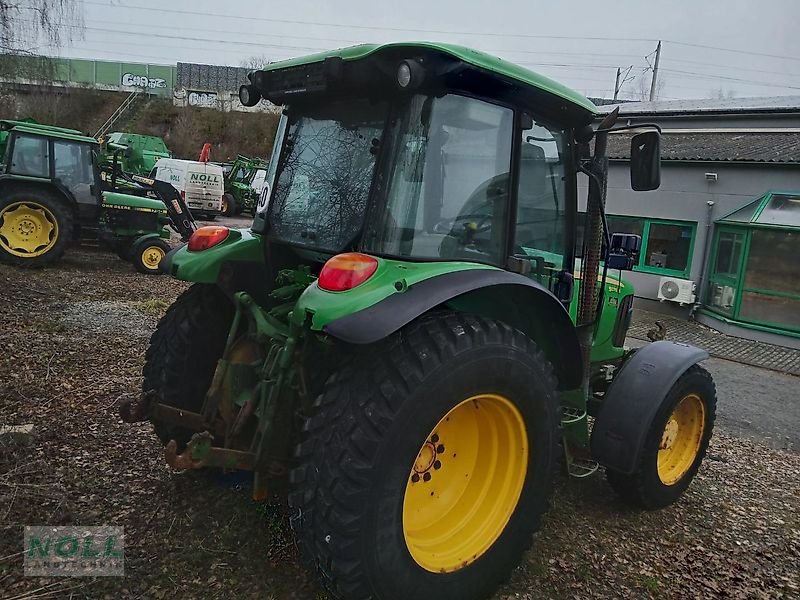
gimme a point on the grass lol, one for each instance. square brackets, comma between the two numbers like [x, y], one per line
[154, 307]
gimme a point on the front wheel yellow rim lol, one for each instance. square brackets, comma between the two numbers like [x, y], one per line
[151, 257]
[27, 229]
[681, 439]
[465, 483]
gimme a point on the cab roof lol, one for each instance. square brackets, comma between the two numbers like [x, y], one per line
[46, 130]
[482, 61]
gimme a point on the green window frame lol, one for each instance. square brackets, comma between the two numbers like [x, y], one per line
[647, 225]
[738, 281]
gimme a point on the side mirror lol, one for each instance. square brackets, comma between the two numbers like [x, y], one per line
[646, 161]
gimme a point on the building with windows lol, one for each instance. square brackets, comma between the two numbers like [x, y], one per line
[720, 235]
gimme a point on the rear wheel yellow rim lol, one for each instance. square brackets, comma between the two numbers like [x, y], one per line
[224, 207]
[465, 483]
[681, 439]
[151, 257]
[27, 229]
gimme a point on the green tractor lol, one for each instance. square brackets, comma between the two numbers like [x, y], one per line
[239, 193]
[51, 196]
[410, 337]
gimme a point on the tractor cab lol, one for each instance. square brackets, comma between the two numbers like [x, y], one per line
[423, 156]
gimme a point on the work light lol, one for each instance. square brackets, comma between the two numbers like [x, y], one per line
[409, 75]
[248, 95]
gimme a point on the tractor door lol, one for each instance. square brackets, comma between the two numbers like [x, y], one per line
[74, 169]
[541, 235]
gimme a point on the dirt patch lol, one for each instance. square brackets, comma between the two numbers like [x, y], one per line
[67, 362]
[112, 317]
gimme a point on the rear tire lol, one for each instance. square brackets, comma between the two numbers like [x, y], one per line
[147, 254]
[646, 487]
[360, 513]
[36, 226]
[183, 353]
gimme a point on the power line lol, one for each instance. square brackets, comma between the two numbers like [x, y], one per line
[437, 31]
[723, 77]
[370, 27]
[732, 50]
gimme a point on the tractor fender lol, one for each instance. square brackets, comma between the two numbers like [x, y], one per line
[634, 397]
[521, 302]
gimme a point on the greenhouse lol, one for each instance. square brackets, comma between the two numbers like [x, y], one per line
[753, 277]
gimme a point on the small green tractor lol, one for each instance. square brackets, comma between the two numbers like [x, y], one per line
[239, 193]
[409, 337]
[52, 195]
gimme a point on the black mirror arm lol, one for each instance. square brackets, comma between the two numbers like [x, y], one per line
[630, 127]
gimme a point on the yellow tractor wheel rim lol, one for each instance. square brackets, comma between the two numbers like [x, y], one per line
[151, 257]
[465, 483]
[224, 207]
[681, 439]
[27, 229]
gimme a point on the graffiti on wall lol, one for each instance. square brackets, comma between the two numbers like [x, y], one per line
[206, 99]
[131, 80]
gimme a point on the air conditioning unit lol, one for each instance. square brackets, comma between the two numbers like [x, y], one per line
[676, 290]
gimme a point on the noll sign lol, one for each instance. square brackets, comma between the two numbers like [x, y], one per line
[203, 178]
[74, 551]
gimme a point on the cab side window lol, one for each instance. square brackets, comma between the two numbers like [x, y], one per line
[30, 156]
[541, 206]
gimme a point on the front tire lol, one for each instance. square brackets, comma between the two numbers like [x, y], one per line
[147, 254]
[675, 446]
[183, 353]
[428, 462]
[36, 227]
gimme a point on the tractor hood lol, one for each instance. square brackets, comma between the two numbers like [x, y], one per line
[130, 202]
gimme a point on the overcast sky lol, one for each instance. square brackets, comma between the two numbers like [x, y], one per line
[710, 47]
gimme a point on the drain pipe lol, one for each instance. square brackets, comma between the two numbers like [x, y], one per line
[706, 251]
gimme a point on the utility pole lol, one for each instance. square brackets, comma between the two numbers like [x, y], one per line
[655, 72]
[616, 83]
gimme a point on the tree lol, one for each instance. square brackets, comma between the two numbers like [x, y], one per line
[723, 94]
[253, 63]
[28, 25]
[642, 90]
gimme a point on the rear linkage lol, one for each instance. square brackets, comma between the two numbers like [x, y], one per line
[266, 385]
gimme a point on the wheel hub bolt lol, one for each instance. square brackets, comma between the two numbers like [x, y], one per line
[426, 477]
[440, 448]
[415, 477]
[434, 438]
[437, 464]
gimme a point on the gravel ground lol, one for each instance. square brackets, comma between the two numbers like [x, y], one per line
[73, 340]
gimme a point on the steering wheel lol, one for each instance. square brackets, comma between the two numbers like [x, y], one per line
[447, 226]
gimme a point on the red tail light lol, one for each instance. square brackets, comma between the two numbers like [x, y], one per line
[206, 237]
[346, 271]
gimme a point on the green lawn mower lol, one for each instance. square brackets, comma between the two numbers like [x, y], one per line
[411, 337]
[51, 196]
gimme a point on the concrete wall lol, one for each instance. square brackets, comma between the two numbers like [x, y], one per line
[684, 194]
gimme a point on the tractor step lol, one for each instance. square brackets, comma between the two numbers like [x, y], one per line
[582, 467]
[570, 414]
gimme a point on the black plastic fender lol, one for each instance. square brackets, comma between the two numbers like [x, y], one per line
[515, 299]
[633, 398]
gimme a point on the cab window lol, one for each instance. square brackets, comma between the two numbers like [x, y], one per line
[540, 233]
[30, 156]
